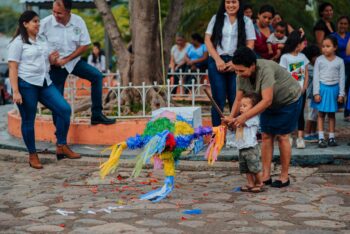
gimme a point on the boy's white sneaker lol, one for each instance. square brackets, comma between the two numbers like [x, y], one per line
[300, 143]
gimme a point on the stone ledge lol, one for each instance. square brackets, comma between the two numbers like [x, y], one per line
[184, 165]
[80, 131]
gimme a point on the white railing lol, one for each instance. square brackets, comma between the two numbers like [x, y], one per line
[191, 93]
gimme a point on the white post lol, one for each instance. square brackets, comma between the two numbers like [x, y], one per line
[181, 82]
[73, 94]
[193, 94]
[143, 100]
[169, 92]
[119, 99]
[198, 78]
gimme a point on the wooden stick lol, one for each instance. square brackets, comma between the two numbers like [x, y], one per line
[217, 108]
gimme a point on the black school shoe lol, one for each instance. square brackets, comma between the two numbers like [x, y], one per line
[279, 184]
[322, 143]
[332, 142]
[101, 119]
[268, 182]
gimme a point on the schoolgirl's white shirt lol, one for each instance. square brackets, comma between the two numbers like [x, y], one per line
[295, 65]
[33, 60]
[65, 38]
[230, 34]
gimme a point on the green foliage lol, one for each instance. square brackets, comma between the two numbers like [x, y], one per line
[121, 14]
[8, 19]
[196, 16]
[95, 25]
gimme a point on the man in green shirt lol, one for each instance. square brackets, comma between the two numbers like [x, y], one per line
[279, 107]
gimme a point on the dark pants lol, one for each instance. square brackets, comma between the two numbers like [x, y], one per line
[301, 120]
[347, 86]
[223, 86]
[183, 68]
[83, 70]
[50, 97]
[201, 66]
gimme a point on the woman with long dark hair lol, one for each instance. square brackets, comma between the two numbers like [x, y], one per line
[263, 30]
[228, 30]
[97, 58]
[324, 26]
[29, 62]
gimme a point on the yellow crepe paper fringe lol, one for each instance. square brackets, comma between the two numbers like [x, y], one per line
[216, 146]
[112, 163]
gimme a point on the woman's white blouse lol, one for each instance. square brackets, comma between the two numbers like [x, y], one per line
[32, 59]
[230, 34]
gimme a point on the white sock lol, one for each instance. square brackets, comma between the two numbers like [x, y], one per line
[320, 135]
[331, 135]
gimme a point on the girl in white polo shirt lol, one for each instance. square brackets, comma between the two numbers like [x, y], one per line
[29, 63]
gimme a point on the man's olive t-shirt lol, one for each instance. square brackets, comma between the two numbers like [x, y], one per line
[286, 89]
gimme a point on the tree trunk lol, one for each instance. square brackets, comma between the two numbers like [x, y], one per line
[145, 42]
[119, 47]
[144, 64]
[170, 27]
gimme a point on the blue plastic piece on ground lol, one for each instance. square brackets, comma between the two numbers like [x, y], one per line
[193, 212]
[161, 193]
[236, 190]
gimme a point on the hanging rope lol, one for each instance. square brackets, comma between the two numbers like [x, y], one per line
[161, 41]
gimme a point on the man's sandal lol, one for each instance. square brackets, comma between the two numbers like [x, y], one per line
[246, 188]
[257, 189]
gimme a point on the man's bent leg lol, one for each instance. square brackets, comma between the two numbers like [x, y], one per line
[87, 72]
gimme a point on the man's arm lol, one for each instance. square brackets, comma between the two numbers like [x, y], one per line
[80, 50]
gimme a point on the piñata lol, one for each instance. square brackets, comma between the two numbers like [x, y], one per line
[163, 140]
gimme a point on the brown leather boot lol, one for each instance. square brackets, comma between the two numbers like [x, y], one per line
[34, 161]
[63, 151]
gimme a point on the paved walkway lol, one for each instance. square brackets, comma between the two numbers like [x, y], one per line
[68, 196]
[312, 155]
[67, 199]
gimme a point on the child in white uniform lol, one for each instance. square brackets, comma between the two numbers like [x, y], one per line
[247, 144]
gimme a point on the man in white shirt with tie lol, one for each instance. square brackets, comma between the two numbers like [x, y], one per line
[67, 33]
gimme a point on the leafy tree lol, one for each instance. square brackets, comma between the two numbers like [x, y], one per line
[143, 63]
[95, 25]
[8, 19]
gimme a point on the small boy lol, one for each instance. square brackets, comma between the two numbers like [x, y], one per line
[247, 144]
[275, 42]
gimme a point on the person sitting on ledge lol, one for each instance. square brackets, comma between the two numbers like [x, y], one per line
[67, 34]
